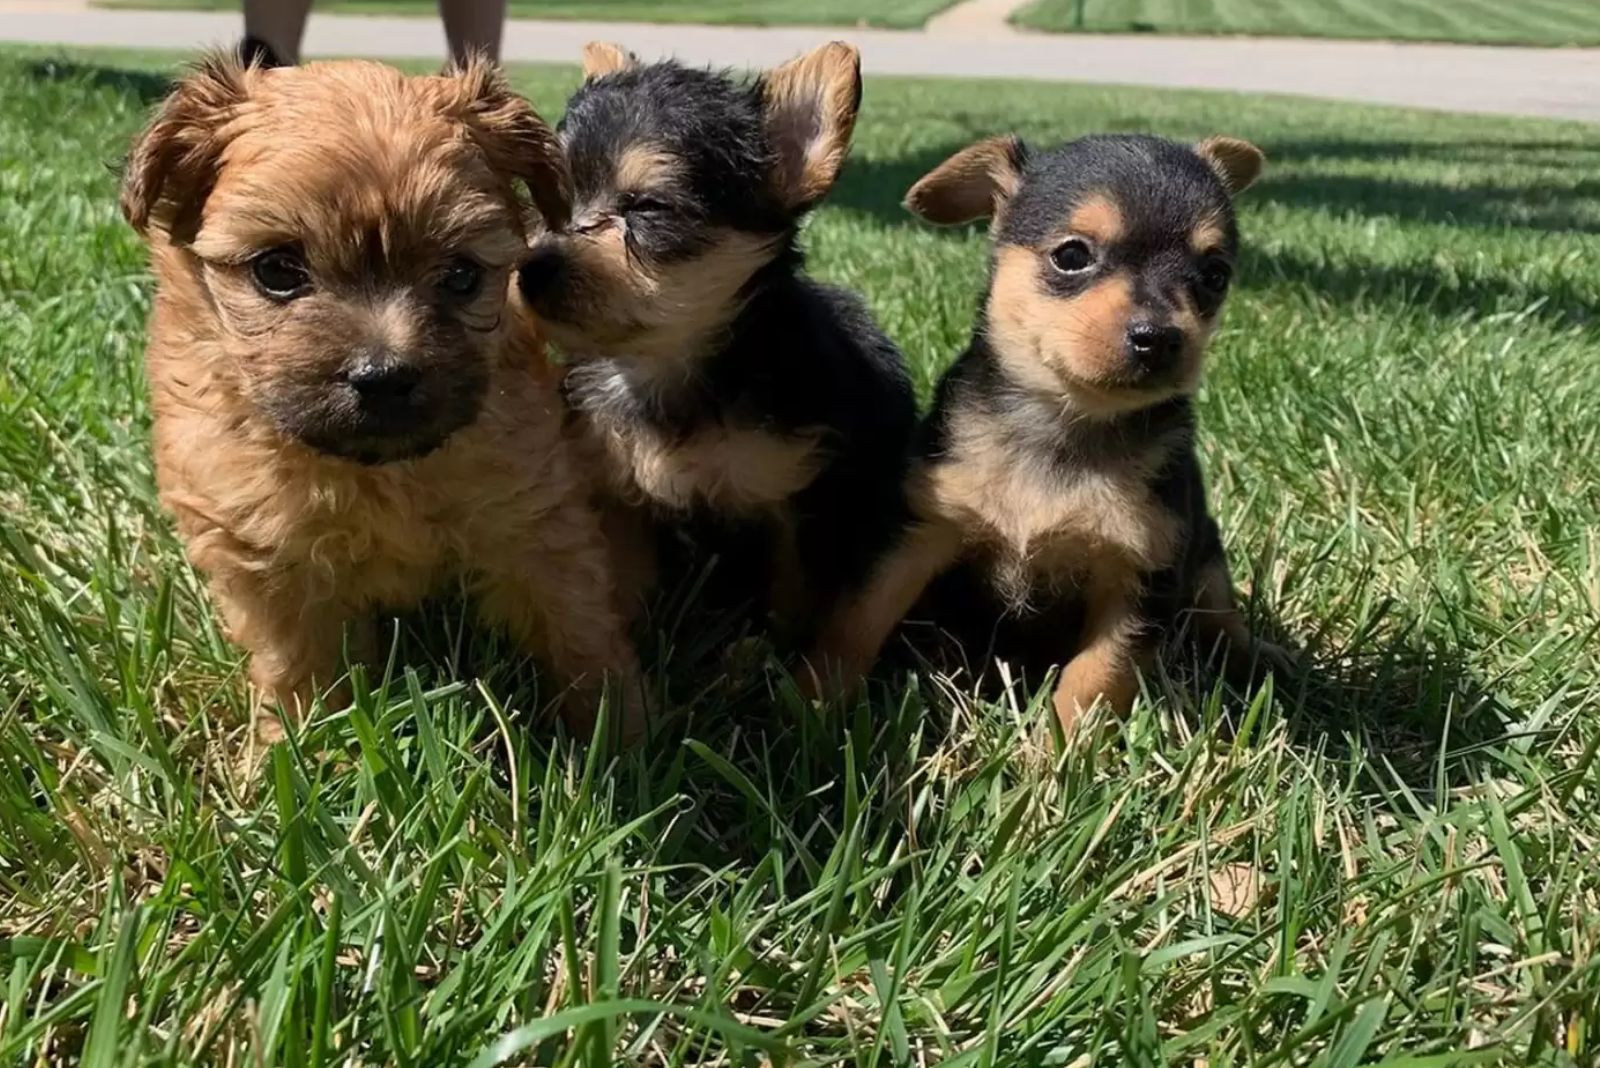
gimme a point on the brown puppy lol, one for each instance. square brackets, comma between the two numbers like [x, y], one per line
[350, 411]
[1057, 502]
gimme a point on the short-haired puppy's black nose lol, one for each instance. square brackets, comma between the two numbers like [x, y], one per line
[1153, 347]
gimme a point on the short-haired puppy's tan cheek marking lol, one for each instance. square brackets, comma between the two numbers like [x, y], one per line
[1060, 344]
[379, 182]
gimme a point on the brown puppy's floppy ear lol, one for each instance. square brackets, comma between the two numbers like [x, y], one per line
[601, 58]
[173, 163]
[972, 184]
[810, 106]
[511, 134]
[1238, 163]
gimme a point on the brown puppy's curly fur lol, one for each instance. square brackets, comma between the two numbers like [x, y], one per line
[350, 410]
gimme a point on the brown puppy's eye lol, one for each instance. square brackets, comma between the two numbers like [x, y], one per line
[1215, 274]
[1072, 256]
[281, 273]
[462, 278]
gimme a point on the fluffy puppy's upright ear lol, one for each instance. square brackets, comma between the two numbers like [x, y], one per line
[516, 141]
[601, 58]
[810, 107]
[1238, 163]
[173, 163]
[975, 183]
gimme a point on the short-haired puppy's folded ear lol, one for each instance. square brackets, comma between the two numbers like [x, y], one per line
[810, 106]
[511, 135]
[173, 163]
[601, 58]
[1238, 163]
[975, 183]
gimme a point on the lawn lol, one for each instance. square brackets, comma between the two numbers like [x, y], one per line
[1388, 858]
[1524, 22]
[896, 14]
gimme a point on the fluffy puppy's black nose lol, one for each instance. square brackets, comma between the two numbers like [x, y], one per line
[382, 382]
[1153, 347]
[539, 272]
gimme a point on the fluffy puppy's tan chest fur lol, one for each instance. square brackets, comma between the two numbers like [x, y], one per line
[728, 469]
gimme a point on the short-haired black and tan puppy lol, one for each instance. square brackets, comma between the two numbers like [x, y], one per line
[714, 376]
[1057, 475]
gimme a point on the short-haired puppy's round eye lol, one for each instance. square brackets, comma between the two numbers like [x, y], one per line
[462, 278]
[1073, 256]
[1215, 274]
[281, 273]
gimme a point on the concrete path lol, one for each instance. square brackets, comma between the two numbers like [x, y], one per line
[1562, 83]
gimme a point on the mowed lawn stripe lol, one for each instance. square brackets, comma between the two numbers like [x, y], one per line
[1537, 22]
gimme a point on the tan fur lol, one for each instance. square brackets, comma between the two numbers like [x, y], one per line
[1106, 665]
[1097, 218]
[1238, 163]
[601, 58]
[1207, 237]
[658, 315]
[972, 184]
[1032, 521]
[643, 167]
[856, 630]
[810, 114]
[1068, 346]
[731, 470]
[380, 179]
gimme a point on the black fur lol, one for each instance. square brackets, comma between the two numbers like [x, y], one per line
[795, 356]
[1162, 190]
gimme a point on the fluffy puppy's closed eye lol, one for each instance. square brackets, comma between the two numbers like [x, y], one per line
[350, 408]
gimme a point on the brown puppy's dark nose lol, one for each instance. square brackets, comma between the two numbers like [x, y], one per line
[1154, 348]
[383, 383]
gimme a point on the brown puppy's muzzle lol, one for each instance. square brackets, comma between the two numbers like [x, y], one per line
[379, 406]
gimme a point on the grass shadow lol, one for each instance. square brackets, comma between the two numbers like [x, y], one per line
[1422, 286]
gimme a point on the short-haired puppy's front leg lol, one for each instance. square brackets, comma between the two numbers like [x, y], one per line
[858, 629]
[1113, 648]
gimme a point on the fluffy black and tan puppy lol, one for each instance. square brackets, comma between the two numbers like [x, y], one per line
[351, 411]
[707, 372]
[1057, 497]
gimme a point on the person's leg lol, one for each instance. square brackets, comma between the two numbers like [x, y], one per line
[473, 26]
[277, 24]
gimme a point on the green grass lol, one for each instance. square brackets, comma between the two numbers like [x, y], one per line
[1387, 859]
[895, 14]
[1524, 22]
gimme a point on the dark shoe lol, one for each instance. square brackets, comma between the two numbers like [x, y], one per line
[254, 52]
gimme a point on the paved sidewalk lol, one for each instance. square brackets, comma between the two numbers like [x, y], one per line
[1561, 83]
